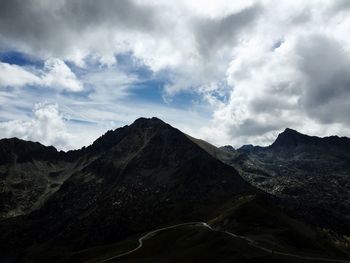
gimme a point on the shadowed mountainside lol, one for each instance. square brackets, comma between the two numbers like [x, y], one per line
[310, 174]
[129, 180]
[85, 204]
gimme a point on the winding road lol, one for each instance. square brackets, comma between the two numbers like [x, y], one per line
[250, 241]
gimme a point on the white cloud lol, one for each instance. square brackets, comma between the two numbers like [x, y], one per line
[110, 84]
[16, 76]
[179, 36]
[260, 65]
[55, 74]
[289, 73]
[58, 74]
[47, 127]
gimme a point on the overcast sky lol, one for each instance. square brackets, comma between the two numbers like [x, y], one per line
[230, 72]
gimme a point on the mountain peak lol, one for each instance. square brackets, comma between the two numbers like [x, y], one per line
[112, 137]
[228, 148]
[246, 148]
[290, 131]
[154, 121]
[290, 137]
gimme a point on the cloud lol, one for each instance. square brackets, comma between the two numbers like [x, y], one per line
[112, 84]
[58, 74]
[324, 64]
[289, 74]
[176, 37]
[71, 29]
[47, 126]
[55, 74]
[16, 76]
[256, 66]
[214, 34]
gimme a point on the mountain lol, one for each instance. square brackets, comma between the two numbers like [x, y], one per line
[308, 172]
[96, 202]
[29, 173]
[139, 176]
[294, 139]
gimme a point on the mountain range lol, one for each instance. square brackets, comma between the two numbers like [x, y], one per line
[309, 172]
[147, 192]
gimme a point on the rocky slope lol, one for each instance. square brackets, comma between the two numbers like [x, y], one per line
[29, 174]
[129, 180]
[75, 206]
[312, 174]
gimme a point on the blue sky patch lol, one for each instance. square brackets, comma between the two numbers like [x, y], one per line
[20, 59]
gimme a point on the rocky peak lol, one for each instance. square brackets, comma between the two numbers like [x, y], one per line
[113, 137]
[292, 138]
[148, 122]
[228, 148]
[246, 148]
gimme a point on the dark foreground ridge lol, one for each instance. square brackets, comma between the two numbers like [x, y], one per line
[91, 204]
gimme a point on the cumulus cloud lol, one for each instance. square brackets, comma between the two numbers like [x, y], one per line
[290, 73]
[71, 29]
[325, 67]
[58, 74]
[47, 126]
[55, 74]
[259, 66]
[212, 34]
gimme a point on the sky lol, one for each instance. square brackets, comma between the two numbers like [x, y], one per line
[229, 72]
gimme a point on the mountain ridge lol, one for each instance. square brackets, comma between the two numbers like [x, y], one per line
[308, 172]
[290, 137]
[148, 162]
[131, 180]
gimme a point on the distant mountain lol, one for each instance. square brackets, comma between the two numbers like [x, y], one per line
[292, 138]
[311, 173]
[246, 148]
[89, 204]
[228, 148]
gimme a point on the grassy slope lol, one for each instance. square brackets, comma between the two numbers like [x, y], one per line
[246, 216]
[193, 244]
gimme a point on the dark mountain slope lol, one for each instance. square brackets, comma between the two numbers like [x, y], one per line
[130, 180]
[19, 151]
[310, 174]
[136, 179]
[259, 223]
[29, 173]
[294, 139]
